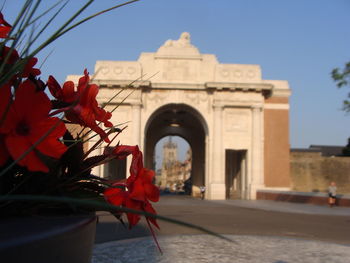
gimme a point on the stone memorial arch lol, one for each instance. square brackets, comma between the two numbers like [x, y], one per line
[236, 123]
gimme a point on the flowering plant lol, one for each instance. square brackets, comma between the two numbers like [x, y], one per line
[43, 166]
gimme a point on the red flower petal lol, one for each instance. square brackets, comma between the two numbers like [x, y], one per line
[143, 189]
[54, 87]
[85, 117]
[115, 196]
[83, 82]
[4, 31]
[29, 70]
[6, 28]
[103, 116]
[88, 96]
[10, 58]
[69, 95]
[5, 99]
[17, 145]
[152, 192]
[138, 191]
[4, 154]
[149, 209]
[50, 146]
[122, 151]
[32, 105]
[133, 218]
[136, 164]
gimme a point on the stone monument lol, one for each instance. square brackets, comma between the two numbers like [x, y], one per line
[236, 122]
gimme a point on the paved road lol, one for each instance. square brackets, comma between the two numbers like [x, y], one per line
[257, 218]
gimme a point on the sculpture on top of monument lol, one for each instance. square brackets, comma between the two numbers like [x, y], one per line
[181, 46]
[183, 41]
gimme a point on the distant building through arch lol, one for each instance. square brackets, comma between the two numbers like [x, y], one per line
[175, 175]
[236, 122]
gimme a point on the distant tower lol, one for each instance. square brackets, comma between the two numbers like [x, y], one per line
[169, 153]
[169, 160]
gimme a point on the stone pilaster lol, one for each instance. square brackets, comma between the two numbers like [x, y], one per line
[217, 182]
[136, 123]
[257, 171]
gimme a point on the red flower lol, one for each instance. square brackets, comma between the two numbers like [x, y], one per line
[29, 68]
[140, 189]
[65, 94]
[9, 57]
[133, 219]
[143, 189]
[5, 27]
[122, 151]
[120, 197]
[26, 122]
[5, 100]
[4, 154]
[86, 112]
[140, 180]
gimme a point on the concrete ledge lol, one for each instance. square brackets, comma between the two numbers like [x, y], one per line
[301, 197]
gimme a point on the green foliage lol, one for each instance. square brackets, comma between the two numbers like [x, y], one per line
[342, 78]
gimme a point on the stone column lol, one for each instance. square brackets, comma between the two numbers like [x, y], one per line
[136, 124]
[257, 171]
[217, 178]
[217, 143]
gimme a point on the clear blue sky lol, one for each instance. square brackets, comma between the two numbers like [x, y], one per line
[299, 40]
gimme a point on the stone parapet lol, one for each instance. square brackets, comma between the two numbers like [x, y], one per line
[301, 197]
[312, 172]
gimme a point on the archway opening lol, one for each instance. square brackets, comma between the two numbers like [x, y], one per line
[236, 174]
[173, 162]
[186, 122]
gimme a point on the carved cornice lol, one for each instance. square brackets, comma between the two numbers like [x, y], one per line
[110, 84]
[282, 92]
[239, 86]
[174, 86]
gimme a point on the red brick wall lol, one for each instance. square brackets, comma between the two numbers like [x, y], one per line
[276, 146]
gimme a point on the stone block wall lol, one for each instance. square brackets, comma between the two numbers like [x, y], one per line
[312, 172]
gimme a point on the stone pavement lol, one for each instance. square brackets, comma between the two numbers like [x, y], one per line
[264, 231]
[209, 249]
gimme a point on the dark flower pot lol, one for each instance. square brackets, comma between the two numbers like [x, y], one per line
[51, 239]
